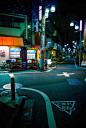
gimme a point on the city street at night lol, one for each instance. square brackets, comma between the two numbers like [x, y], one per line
[66, 89]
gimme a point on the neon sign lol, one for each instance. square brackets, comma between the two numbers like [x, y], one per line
[40, 13]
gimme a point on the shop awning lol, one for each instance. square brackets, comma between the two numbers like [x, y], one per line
[11, 41]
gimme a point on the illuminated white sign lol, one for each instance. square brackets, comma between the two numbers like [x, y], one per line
[80, 25]
[48, 61]
[46, 14]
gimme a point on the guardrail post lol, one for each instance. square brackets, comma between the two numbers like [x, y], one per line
[12, 89]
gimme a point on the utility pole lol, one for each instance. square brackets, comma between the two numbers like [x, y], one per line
[80, 50]
[42, 37]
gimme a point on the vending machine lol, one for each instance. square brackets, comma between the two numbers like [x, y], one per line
[16, 58]
[31, 59]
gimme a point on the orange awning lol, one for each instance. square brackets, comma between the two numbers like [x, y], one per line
[11, 41]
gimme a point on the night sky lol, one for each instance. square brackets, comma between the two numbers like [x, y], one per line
[16, 7]
[65, 11]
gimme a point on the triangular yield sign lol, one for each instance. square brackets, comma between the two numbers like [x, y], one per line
[66, 106]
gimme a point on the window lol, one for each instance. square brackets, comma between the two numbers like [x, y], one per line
[7, 21]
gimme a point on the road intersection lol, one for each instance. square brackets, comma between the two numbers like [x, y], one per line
[67, 99]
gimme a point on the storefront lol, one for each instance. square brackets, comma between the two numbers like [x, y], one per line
[37, 48]
[10, 48]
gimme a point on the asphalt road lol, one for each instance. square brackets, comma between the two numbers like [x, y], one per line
[66, 89]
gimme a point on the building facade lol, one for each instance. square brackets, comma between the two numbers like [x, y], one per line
[13, 32]
[13, 25]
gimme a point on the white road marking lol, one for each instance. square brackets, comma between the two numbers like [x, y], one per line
[1, 88]
[25, 72]
[11, 75]
[50, 116]
[4, 73]
[48, 70]
[65, 74]
[66, 106]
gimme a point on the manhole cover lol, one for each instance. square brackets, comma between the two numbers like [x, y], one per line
[8, 86]
[74, 82]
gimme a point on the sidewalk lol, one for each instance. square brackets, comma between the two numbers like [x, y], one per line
[18, 112]
[17, 71]
[21, 112]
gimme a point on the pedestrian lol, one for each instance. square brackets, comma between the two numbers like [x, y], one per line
[38, 66]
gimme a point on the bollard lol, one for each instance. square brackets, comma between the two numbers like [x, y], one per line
[12, 89]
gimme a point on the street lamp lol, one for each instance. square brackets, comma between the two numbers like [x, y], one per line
[80, 29]
[52, 9]
[72, 23]
[76, 27]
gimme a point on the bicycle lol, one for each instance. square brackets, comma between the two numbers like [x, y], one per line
[5, 65]
[53, 65]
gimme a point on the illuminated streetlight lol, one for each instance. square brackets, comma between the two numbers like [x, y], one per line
[72, 23]
[52, 9]
[47, 10]
[29, 26]
[76, 27]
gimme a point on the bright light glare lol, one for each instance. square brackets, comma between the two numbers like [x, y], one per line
[76, 27]
[47, 10]
[72, 41]
[11, 75]
[46, 15]
[29, 26]
[52, 9]
[72, 24]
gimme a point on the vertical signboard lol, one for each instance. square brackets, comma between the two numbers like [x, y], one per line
[40, 13]
[42, 45]
[84, 32]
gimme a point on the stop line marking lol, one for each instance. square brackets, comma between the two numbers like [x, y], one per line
[65, 74]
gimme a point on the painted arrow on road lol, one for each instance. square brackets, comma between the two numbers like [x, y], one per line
[65, 74]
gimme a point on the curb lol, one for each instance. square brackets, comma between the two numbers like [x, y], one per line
[26, 114]
[23, 114]
[15, 114]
